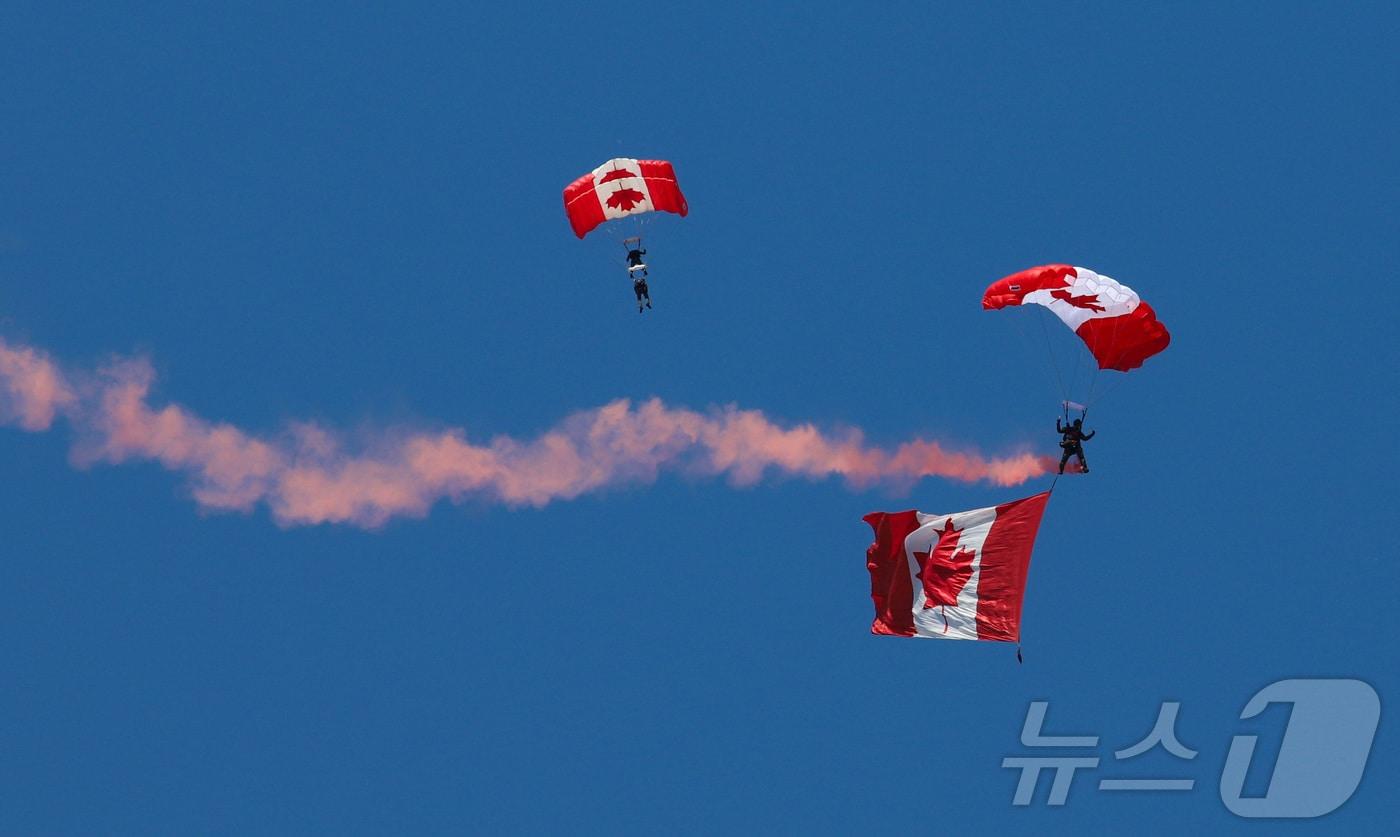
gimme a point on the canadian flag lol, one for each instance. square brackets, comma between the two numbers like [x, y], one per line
[1118, 327]
[622, 187]
[953, 576]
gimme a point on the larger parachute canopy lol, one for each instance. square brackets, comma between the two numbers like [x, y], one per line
[622, 187]
[1120, 329]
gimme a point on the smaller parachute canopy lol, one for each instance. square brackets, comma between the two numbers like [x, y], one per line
[1120, 329]
[622, 187]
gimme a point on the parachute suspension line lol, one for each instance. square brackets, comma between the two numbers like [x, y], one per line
[1028, 343]
[1093, 384]
[1050, 352]
[1110, 388]
[1094, 381]
[1104, 391]
[1076, 365]
[634, 228]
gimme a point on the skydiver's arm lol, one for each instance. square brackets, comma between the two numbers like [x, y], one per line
[1089, 435]
[1058, 428]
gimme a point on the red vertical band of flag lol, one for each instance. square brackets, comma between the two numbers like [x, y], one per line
[1123, 343]
[891, 587]
[582, 206]
[1005, 562]
[666, 195]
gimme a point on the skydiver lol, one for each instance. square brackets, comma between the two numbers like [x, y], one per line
[1073, 437]
[634, 260]
[639, 286]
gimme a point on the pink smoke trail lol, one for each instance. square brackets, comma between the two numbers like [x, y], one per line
[306, 475]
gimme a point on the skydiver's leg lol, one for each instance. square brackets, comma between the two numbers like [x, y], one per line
[1063, 460]
[1083, 466]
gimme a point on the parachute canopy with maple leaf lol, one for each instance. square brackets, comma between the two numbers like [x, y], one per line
[619, 188]
[1120, 329]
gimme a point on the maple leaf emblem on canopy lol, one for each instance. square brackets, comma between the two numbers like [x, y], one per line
[616, 174]
[625, 199]
[945, 569]
[1087, 301]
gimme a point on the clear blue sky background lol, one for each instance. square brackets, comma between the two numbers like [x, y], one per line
[353, 216]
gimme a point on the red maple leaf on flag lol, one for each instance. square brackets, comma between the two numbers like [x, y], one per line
[945, 569]
[615, 174]
[625, 199]
[1089, 301]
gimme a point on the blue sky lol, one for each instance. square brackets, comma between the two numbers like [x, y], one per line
[353, 217]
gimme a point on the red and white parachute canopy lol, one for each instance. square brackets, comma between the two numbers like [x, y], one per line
[622, 187]
[1118, 327]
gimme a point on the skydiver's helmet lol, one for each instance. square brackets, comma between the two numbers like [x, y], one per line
[1078, 423]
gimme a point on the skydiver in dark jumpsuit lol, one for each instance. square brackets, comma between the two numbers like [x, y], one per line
[637, 269]
[1073, 437]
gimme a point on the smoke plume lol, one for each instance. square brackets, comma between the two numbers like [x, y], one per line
[309, 474]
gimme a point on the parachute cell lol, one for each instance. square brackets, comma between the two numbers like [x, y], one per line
[1120, 329]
